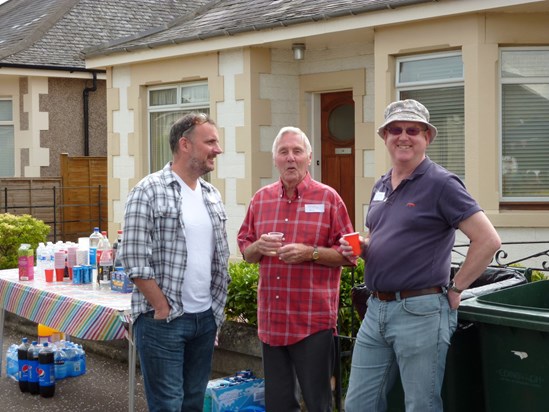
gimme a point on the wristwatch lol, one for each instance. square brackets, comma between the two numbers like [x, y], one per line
[316, 255]
[452, 286]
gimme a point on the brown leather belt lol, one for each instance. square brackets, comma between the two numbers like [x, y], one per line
[389, 296]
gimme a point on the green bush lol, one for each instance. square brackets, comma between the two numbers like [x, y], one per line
[242, 295]
[15, 230]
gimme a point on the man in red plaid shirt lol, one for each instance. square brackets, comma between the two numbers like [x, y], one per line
[298, 292]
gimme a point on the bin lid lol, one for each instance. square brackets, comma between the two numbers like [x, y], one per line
[523, 306]
[532, 296]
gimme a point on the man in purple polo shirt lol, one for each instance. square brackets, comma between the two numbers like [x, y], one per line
[414, 212]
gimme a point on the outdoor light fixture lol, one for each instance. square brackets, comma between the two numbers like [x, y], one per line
[299, 51]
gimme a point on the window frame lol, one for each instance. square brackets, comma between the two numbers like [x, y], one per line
[12, 124]
[203, 106]
[433, 84]
[523, 202]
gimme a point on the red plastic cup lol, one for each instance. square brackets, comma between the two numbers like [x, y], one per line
[49, 275]
[352, 238]
[59, 274]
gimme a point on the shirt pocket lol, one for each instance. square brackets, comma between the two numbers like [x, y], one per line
[222, 216]
[166, 223]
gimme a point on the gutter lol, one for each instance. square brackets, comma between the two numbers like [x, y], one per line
[86, 98]
[46, 67]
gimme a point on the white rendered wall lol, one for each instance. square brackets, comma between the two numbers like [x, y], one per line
[231, 165]
[123, 165]
[30, 139]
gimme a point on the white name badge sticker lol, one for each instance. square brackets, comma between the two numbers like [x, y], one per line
[379, 196]
[314, 208]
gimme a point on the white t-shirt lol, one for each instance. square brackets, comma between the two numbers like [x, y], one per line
[196, 294]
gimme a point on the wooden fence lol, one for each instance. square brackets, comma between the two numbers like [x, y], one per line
[72, 204]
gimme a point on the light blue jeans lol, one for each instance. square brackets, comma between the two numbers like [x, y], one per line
[411, 335]
[176, 360]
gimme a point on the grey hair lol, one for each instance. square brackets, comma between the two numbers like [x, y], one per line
[296, 130]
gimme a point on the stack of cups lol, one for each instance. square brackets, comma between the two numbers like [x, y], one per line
[71, 258]
[81, 256]
[59, 265]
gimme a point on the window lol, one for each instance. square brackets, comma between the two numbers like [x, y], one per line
[166, 105]
[436, 80]
[7, 150]
[524, 124]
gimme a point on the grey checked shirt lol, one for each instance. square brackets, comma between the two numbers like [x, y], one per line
[154, 245]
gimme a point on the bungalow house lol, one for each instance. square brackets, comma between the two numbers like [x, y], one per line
[330, 68]
[50, 103]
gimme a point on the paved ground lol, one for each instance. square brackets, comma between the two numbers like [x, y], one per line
[103, 388]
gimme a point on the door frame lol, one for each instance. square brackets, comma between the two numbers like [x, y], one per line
[311, 87]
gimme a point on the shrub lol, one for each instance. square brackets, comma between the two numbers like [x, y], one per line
[242, 295]
[15, 230]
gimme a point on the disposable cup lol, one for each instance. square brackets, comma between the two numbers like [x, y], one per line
[278, 235]
[59, 273]
[49, 274]
[352, 238]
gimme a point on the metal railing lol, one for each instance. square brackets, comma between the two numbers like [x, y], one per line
[66, 219]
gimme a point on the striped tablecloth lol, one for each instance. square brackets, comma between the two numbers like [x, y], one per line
[82, 311]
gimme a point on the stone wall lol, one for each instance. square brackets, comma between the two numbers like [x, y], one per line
[239, 347]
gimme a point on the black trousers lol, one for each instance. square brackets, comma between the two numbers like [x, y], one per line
[307, 364]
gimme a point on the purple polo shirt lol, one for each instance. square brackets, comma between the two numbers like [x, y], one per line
[412, 229]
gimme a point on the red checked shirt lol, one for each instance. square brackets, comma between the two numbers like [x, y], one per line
[296, 300]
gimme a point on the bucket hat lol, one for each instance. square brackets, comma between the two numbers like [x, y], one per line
[408, 110]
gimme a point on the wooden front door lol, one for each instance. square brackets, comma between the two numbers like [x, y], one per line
[338, 145]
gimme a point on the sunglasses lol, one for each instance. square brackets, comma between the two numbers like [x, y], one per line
[410, 131]
[192, 121]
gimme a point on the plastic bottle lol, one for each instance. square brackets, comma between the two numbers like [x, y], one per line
[23, 363]
[101, 246]
[42, 258]
[116, 247]
[32, 356]
[60, 363]
[51, 249]
[47, 371]
[94, 241]
[12, 363]
[82, 359]
[105, 267]
[73, 362]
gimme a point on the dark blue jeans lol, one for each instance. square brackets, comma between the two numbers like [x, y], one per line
[176, 359]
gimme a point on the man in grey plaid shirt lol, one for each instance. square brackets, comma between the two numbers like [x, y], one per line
[176, 252]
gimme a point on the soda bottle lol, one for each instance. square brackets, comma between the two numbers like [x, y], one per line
[46, 371]
[94, 241]
[32, 356]
[116, 247]
[23, 363]
[105, 263]
[101, 246]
